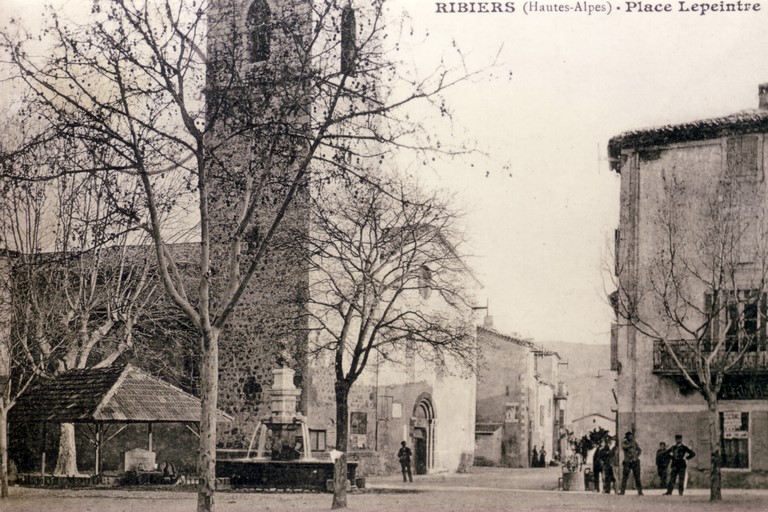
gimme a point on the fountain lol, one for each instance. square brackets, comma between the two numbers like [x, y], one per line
[283, 457]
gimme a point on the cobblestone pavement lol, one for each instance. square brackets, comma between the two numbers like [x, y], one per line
[483, 490]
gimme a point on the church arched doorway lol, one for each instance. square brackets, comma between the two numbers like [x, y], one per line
[424, 435]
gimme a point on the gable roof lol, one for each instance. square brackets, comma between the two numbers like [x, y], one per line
[591, 415]
[748, 121]
[114, 394]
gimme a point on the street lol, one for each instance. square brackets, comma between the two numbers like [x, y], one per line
[484, 489]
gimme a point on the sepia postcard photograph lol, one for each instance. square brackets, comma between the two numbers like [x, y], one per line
[383, 255]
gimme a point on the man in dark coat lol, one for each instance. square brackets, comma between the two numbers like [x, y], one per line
[404, 456]
[631, 463]
[662, 464]
[534, 458]
[598, 461]
[679, 456]
[610, 463]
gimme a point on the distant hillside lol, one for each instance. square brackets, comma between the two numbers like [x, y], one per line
[586, 392]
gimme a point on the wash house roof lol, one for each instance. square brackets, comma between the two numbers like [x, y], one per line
[115, 394]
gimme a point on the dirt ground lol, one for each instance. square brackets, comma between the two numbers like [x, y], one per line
[484, 489]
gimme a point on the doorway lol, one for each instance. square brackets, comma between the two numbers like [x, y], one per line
[424, 435]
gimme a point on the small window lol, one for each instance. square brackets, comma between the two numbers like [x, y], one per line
[742, 156]
[259, 31]
[251, 389]
[348, 50]
[541, 415]
[425, 282]
[317, 440]
[734, 439]
[385, 407]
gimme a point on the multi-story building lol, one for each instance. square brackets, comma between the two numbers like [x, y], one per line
[521, 402]
[690, 266]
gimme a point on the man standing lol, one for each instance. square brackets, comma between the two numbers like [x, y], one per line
[679, 455]
[534, 458]
[631, 463]
[404, 456]
[662, 464]
[610, 463]
[601, 452]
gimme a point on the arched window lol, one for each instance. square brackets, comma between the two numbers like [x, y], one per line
[348, 50]
[425, 282]
[259, 31]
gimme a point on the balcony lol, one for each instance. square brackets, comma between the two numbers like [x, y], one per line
[753, 362]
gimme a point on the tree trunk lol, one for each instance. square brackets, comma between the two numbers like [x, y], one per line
[209, 385]
[66, 460]
[3, 449]
[342, 437]
[715, 481]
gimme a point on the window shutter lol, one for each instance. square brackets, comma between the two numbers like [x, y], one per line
[763, 318]
[614, 347]
[712, 310]
[759, 438]
[703, 457]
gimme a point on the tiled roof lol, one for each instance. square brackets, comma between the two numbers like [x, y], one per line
[487, 428]
[111, 394]
[749, 121]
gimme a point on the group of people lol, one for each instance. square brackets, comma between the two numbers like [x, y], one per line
[675, 458]
[606, 460]
[539, 459]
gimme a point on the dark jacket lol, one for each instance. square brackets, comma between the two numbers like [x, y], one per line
[601, 457]
[680, 454]
[404, 455]
[662, 457]
[632, 451]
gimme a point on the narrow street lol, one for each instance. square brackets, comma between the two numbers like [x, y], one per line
[484, 489]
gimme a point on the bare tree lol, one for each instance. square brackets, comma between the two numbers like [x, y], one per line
[239, 122]
[703, 300]
[386, 281]
[78, 288]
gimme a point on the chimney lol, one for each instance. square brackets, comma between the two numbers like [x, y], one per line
[488, 322]
[762, 91]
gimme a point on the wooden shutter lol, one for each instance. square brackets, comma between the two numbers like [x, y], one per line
[759, 440]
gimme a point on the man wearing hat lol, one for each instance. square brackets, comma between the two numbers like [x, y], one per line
[679, 456]
[631, 463]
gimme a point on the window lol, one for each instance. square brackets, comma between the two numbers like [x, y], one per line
[541, 415]
[425, 282]
[397, 410]
[385, 407]
[259, 31]
[734, 439]
[742, 156]
[348, 26]
[743, 316]
[511, 414]
[317, 440]
[251, 390]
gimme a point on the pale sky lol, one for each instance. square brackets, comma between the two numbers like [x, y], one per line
[543, 235]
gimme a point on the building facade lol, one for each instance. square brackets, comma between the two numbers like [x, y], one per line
[689, 267]
[521, 402]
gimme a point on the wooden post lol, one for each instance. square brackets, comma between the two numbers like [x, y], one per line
[99, 435]
[42, 452]
[149, 436]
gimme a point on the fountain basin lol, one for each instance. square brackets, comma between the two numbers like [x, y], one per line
[265, 474]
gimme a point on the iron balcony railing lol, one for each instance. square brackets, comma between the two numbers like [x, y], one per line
[753, 361]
